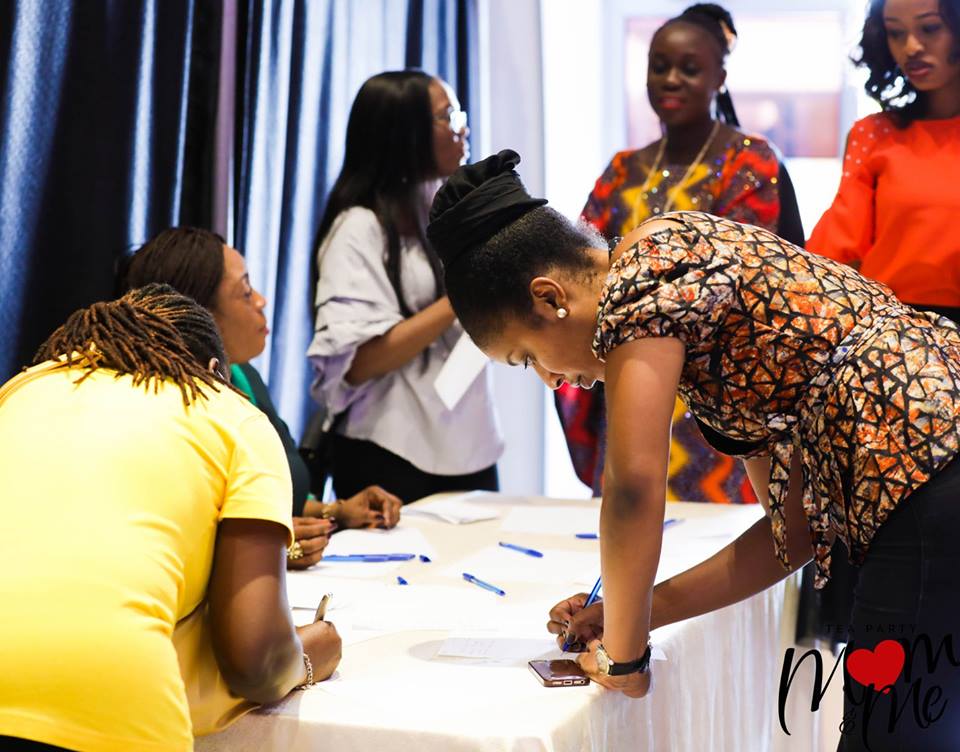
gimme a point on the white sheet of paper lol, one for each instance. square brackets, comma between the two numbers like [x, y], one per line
[465, 362]
[402, 539]
[726, 523]
[348, 635]
[497, 646]
[398, 608]
[498, 565]
[305, 589]
[553, 520]
[457, 510]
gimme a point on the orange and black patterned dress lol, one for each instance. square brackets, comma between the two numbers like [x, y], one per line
[788, 351]
[744, 181]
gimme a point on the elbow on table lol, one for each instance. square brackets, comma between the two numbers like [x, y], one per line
[264, 676]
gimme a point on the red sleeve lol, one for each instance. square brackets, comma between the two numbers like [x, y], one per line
[748, 188]
[846, 230]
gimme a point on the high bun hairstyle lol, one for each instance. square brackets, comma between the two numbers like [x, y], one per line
[886, 84]
[493, 238]
[718, 23]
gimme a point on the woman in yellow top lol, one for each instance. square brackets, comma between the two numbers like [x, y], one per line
[180, 500]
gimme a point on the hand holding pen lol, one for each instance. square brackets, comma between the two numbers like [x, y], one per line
[575, 623]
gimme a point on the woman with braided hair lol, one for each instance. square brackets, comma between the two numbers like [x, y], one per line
[179, 513]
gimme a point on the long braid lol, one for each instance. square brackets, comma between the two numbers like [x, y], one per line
[152, 333]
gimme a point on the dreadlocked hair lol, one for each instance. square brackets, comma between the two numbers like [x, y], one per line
[152, 333]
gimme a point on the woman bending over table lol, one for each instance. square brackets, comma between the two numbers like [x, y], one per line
[179, 505]
[843, 402]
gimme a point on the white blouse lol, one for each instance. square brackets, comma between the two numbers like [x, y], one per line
[400, 411]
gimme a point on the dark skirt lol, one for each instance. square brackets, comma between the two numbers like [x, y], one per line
[358, 464]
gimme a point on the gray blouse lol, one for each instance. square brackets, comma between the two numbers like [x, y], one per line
[400, 411]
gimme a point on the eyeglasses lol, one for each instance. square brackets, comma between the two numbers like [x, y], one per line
[456, 119]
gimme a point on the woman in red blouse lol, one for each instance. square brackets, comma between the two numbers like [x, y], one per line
[895, 216]
[843, 402]
[703, 162]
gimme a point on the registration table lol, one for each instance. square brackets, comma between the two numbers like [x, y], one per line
[440, 664]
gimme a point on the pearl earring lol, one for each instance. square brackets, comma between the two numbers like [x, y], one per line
[562, 313]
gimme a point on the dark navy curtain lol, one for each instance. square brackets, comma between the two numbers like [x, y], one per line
[106, 124]
[299, 67]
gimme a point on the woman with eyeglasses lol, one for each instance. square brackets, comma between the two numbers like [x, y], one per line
[384, 325]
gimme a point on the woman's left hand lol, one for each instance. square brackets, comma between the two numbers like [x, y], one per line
[311, 536]
[372, 507]
[632, 685]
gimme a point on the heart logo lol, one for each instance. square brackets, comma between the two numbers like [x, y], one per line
[880, 667]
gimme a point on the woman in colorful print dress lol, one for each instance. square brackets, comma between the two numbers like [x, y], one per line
[701, 163]
[842, 401]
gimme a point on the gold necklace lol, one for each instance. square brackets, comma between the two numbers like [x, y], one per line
[672, 192]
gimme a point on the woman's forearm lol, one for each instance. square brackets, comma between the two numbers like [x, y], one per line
[631, 531]
[388, 352]
[745, 567]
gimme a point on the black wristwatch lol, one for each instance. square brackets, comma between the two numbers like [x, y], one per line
[609, 668]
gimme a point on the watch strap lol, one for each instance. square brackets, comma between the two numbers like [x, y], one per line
[638, 666]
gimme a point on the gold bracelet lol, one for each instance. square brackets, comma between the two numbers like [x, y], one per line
[309, 666]
[330, 510]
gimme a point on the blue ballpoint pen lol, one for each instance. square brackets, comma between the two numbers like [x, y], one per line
[485, 585]
[671, 521]
[590, 599]
[369, 557]
[521, 549]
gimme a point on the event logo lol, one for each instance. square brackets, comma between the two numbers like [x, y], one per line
[881, 685]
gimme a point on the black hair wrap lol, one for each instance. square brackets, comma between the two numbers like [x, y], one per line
[475, 203]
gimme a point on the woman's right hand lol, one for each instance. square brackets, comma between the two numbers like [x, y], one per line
[575, 625]
[322, 643]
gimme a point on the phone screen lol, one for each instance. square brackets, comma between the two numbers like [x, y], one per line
[561, 672]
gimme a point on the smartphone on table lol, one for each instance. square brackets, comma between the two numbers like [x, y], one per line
[561, 672]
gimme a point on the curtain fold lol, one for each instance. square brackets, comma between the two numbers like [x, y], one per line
[107, 138]
[299, 67]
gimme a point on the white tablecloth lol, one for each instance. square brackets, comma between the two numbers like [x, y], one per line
[716, 690]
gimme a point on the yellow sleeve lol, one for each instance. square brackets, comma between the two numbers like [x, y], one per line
[258, 484]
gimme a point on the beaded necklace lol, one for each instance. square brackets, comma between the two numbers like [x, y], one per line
[672, 192]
